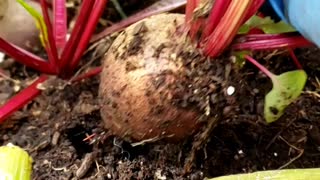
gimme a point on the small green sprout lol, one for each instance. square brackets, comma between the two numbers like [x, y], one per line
[286, 88]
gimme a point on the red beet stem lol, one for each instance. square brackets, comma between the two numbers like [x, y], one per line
[218, 10]
[90, 27]
[259, 66]
[60, 23]
[90, 73]
[295, 59]
[190, 7]
[275, 43]
[51, 48]
[227, 28]
[22, 98]
[76, 35]
[26, 57]
[253, 9]
[156, 8]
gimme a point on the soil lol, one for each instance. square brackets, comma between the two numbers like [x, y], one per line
[63, 131]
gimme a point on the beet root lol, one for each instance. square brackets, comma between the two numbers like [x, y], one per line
[138, 88]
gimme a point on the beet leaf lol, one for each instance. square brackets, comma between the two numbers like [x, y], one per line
[287, 87]
[267, 25]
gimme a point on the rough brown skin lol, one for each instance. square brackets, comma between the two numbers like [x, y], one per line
[137, 83]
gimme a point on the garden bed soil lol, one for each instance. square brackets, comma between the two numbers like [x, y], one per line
[63, 131]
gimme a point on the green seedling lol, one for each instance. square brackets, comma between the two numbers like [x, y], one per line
[287, 87]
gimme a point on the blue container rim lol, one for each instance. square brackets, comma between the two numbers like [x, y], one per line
[278, 7]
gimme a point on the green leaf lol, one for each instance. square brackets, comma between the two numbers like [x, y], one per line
[267, 25]
[286, 88]
[15, 163]
[40, 23]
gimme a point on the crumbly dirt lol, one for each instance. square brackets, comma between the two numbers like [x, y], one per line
[63, 131]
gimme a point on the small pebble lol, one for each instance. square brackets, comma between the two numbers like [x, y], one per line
[85, 165]
[231, 90]
[2, 55]
[55, 138]
[5, 137]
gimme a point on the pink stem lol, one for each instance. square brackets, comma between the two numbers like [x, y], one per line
[253, 9]
[294, 58]
[60, 23]
[29, 93]
[191, 5]
[218, 10]
[26, 57]
[90, 73]
[286, 42]
[258, 65]
[90, 27]
[227, 28]
[51, 46]
[21, 99]
[157, 8]
[261, 36]
[76, 35]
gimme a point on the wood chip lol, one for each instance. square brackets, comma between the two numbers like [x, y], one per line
[85, 165]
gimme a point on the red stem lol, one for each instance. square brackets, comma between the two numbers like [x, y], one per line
[22, 98]
[60, 22]
[259, 66]
[255, 37]
[90, 27]
[26, 57]
[51, 47]
[193, 24]
[227, 28]
[90, 73]
[269, 44]
[158, 7]
[29, 93]
[253, 9]
[76, 35]
[294, 58]
[191, 5]
[218, 10]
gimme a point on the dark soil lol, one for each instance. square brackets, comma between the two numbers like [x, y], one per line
[63, 131]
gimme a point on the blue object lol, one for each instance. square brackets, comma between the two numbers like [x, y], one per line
[278, 7]
[303, 15]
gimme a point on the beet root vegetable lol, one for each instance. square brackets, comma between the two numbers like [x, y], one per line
[138, 88]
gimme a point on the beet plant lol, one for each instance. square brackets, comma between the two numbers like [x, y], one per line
[145, 72]
[63, 54]
[145, 83]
